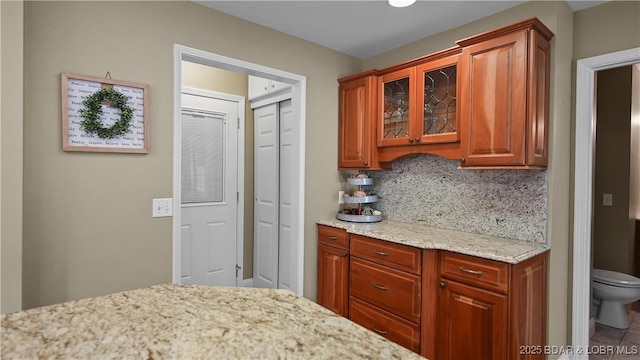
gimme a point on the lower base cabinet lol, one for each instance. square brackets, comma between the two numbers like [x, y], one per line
[333, 269]
[437, 303]
[473, 323]
[333, 274]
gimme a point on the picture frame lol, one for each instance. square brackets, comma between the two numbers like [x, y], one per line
[133, 137]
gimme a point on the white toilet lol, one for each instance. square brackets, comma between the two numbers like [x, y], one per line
[611, 292]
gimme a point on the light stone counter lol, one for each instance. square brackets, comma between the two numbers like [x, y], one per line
[484, 246]
[190, 322]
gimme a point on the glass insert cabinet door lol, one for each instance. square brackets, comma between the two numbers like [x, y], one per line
[419, 104]
[398, 98]
[437, 102]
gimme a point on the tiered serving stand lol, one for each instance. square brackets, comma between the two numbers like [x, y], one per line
[359, 182]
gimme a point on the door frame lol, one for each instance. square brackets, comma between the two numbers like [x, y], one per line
[177, 176]
[583, 185]
[298, 97]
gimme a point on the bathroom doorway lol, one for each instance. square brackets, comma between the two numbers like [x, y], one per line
[583, 189]
[617, 163]
[616, 204]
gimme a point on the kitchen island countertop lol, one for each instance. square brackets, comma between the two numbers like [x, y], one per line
[484, 246]
[190, 322]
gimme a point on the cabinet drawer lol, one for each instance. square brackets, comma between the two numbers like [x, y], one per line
[393, 290]
[333, 237]
[397, 256]
[483, 273]
[385, 324]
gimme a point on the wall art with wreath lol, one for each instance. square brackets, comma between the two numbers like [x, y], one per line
[104, 115]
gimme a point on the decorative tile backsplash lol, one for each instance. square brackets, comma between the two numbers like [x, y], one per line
[430, 190]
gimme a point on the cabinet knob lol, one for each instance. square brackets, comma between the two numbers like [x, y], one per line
[343, 255]
[410, 140]
[417, 139]
[462, 160]
[366, 163]
[442, 285]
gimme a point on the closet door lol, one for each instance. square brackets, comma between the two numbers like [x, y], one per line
[274, 247]
[286, 245]
[266, 196]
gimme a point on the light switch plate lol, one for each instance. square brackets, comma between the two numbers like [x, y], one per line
[607, 199]
[162, 207]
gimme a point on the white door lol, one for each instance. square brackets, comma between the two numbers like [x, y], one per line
[274, 247]
[265, 224]
[287, 246]
[209, 181]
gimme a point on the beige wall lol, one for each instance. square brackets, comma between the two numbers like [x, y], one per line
[11, 46]
[613, 247]
[606, 28]
[559, 18]
[229, 82]
[88, 227]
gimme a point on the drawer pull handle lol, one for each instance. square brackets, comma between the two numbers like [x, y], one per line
[381, 332]
[379, 287]
[381, 253]
[469, 271]
[332, 238]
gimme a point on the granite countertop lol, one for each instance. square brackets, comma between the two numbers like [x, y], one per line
[190, 322]
[485, 246]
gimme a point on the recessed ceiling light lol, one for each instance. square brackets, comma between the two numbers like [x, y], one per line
[401, 3]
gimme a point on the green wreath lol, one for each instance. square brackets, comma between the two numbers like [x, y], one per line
[93, 109]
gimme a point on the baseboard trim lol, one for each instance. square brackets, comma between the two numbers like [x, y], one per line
[247, 282]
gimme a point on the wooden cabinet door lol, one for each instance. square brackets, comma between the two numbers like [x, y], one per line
[397, 112]
[333, 279]
[472, 323]
[437, 120]
[493, 101]
[356, 129]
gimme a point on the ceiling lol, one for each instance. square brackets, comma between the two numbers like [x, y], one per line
[366, 28]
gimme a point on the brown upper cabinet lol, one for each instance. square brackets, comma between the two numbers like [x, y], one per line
[356, 132]
[504, 97]
[417, 103]
[484, 102]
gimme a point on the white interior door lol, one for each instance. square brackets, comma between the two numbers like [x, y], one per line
[266, 188]
[209, 182]
[274, 246]
[286, 246]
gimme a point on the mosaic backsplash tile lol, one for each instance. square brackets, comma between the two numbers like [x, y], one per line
[430, 190]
